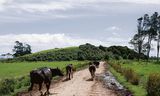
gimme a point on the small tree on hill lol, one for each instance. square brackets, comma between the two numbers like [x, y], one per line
[21, 49]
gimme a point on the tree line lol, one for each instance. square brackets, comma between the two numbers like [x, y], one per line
[148, 30]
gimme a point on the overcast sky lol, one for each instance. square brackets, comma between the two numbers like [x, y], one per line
[46, 24]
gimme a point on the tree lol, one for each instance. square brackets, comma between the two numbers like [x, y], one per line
[151, 31]
[21, 49]
[147, 31]
[158, 36]
[138, 39]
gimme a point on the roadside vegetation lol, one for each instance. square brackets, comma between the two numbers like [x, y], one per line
[142, 78]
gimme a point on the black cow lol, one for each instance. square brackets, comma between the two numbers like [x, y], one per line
[92, 70]
[43, 75]
[69, 71]
[96, 63]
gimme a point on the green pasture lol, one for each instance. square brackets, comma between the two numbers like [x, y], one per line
[10, 70]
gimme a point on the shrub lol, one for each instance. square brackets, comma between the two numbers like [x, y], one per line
[153, 84]
[7, 86]
[135, 79]
[106, 57]
[117, 57]
[131, 76]
[21, 82]
[117, 67]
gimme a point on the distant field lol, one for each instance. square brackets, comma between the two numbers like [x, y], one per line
[143, 69]
[8, 70]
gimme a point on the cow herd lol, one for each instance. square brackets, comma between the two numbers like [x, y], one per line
[45, 74]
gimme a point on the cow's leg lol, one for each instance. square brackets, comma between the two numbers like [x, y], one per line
[40, 87]
[48, 86]
[69, 75]
[92, 74]
[72, 74]
[31, 87]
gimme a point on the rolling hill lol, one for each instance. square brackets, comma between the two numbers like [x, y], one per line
[83, 52]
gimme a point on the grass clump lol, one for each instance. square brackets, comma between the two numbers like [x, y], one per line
[153, 84]
[131, 76]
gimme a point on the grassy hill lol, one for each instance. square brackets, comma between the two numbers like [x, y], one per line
[83, 52]
[57, 54]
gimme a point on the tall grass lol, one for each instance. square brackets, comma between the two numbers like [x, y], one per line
[153, 84]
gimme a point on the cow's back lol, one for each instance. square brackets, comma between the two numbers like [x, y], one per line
[36, 76]
[47, 74]
[41, 75]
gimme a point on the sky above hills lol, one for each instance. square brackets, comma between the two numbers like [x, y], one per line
[46, 24]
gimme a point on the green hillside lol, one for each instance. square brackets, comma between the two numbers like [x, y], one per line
[83, 52]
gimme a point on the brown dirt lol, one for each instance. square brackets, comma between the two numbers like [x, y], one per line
[80, 85]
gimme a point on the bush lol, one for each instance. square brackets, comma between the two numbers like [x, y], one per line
[131, 76]
[117, 57]
[153, 84]
[22, 82]
[7, 86]
[117, 67]
[106, 57]
[135, 79]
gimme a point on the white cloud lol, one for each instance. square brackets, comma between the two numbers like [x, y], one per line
[2, 2]
[117, 41]
[42, 7]
[142, 1]
[51, 9]
[47, 5]
[114, 31]
[43, 41]
[112, 28]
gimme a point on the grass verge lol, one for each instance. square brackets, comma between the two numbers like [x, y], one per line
[137, 90]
